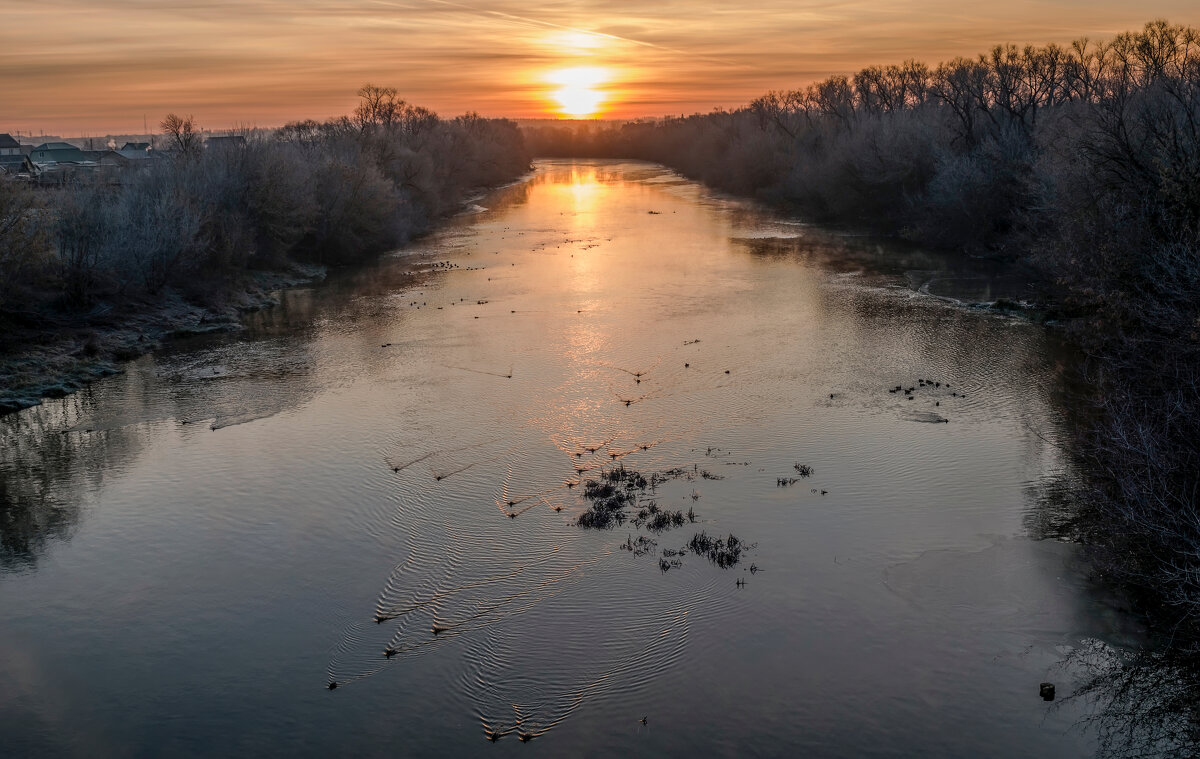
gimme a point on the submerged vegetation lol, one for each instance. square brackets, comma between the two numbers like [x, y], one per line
[724, 552]
[618, 491]
[194, 223]
[1082, 162]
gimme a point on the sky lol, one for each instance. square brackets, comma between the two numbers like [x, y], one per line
[95, 67]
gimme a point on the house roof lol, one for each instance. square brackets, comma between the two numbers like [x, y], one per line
[56, 146]
[136, 146]
[6, 141]
[13, 164]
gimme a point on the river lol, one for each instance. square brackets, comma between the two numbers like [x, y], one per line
[393, 461]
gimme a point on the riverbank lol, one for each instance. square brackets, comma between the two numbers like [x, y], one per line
[50, 354]
[105, 268]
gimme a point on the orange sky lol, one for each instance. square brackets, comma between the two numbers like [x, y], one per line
[97, 66]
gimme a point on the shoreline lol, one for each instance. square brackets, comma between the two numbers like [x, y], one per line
[64, 354]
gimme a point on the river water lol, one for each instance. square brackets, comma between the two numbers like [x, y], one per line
[194, 550]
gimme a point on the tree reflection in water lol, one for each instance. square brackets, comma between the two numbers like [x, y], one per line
[41, 468]
[1141, 703]
[30, 518]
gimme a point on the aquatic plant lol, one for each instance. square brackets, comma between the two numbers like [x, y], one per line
[724, 552]
[640, 547]
[617, 488]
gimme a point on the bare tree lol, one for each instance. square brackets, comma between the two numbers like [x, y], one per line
[377, 107]
[181, 132]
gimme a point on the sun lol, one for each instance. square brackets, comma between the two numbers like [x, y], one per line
[579, 92]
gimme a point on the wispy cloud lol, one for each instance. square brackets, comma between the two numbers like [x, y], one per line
[70, 66]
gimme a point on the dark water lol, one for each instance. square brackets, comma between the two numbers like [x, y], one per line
[191, 552]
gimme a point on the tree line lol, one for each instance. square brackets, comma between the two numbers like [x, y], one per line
[328, 192]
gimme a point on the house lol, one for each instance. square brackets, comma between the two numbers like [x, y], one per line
[135, 151]
[15, 164]
[57, 152]
[111, 158]
[9, 146]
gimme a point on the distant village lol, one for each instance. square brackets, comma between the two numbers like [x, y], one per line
[59, 162]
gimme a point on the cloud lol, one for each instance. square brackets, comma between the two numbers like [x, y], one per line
[99, 65]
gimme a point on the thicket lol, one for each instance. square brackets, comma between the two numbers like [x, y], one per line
[328, 192]
[1082, 160]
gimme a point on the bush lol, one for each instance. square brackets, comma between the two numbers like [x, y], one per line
[23, 239]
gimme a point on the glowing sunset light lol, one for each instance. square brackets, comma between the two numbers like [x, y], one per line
[579, 42]
[81, 66]
[578, 95]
